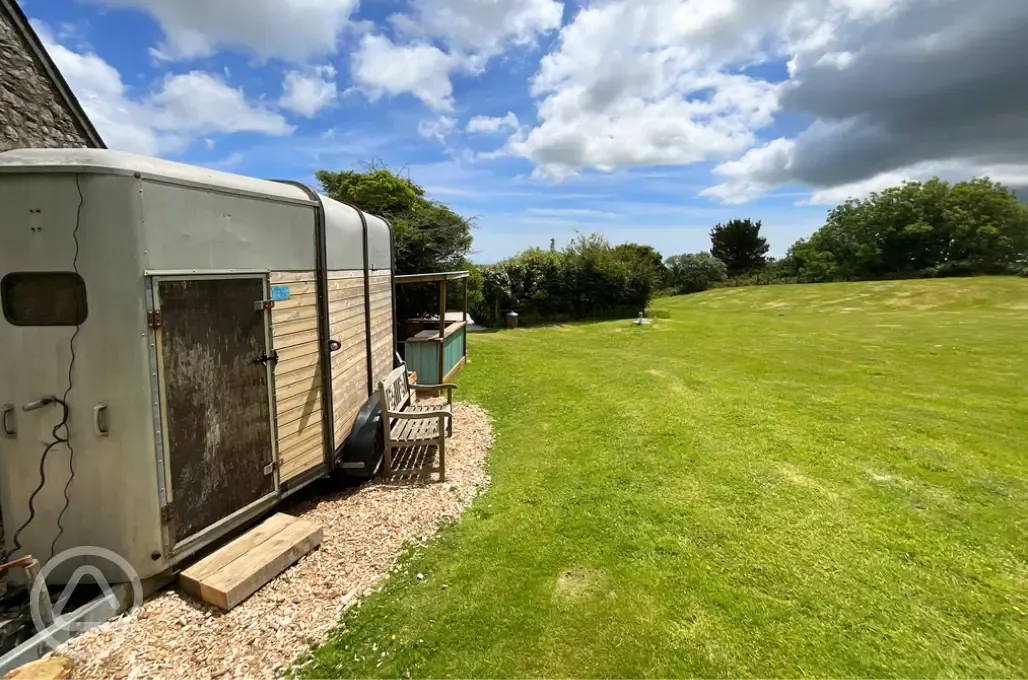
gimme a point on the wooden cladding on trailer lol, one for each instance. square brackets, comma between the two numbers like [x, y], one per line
[297, 373]
[349, 365]
[346, 325]
[298, 399]
[382, 349]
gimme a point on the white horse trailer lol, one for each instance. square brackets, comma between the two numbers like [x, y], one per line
[208, 339]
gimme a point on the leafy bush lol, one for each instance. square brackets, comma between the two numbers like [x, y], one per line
[929, 229]
[645, 259]
[588, 279]
[695, 273]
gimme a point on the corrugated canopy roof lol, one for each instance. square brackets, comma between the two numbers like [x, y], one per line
[426, 278]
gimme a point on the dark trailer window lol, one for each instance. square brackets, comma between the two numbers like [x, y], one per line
[43, 298]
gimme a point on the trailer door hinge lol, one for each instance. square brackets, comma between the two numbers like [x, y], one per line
[166, 513]
[272, 466]
[154, 319]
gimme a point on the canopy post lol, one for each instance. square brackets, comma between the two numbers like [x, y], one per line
[465, 318]
[442, 327]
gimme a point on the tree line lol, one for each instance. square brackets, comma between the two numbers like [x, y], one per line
[916, 230]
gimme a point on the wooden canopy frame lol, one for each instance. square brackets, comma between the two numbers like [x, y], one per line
[442, 278]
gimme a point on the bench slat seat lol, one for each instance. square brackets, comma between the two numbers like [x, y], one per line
[415, 433]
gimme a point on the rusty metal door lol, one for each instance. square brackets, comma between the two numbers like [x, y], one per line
[214, 377]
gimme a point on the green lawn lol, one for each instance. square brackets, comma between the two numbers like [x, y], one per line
[826, 480]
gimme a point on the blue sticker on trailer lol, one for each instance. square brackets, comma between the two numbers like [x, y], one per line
[279, 293]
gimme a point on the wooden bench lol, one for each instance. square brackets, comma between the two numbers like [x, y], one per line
[407, 426]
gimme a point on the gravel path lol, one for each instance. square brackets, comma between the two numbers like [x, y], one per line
[174, 636]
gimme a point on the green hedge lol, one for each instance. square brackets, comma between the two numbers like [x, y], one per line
[589, 279]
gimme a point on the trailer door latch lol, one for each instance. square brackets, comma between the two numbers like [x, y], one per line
[264, 358]
[272, 466]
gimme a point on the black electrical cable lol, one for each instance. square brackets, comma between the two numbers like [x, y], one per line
[42, 471]
[63, 424]
[71, 366]
[57, 439]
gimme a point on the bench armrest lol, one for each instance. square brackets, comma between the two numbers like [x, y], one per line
[449, 387]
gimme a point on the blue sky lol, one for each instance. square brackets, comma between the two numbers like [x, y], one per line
[646, 120]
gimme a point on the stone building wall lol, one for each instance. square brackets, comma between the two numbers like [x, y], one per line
[33, 110]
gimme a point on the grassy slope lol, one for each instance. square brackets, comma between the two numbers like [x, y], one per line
[790, 480]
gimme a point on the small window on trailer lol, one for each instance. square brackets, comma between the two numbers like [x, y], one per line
[44, 298]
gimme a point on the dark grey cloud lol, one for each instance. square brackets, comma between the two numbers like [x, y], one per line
[937, 82]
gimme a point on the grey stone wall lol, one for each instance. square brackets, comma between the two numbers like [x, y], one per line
[32, 112]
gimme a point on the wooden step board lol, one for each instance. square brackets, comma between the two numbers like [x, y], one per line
[228, 576]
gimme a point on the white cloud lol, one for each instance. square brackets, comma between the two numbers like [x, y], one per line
[635, 84]
[489, 125]
[290, 29]
[439, 128]
[839, 60]
[470, 33]
[310, 90]
[184, 107]
[897, 90]
[199, 102]
[381, 67]
[670, 82]
[98, 86]
[662, 128]
[754, 174]
[483, 27]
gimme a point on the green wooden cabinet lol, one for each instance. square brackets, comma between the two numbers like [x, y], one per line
[422, 354]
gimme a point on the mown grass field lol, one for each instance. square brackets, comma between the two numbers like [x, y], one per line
[823, 480]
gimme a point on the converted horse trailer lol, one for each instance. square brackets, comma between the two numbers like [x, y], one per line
[203, 341]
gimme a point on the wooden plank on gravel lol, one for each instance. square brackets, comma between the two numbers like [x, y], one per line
[230, 575]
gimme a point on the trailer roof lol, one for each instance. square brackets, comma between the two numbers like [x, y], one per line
[106, 162]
